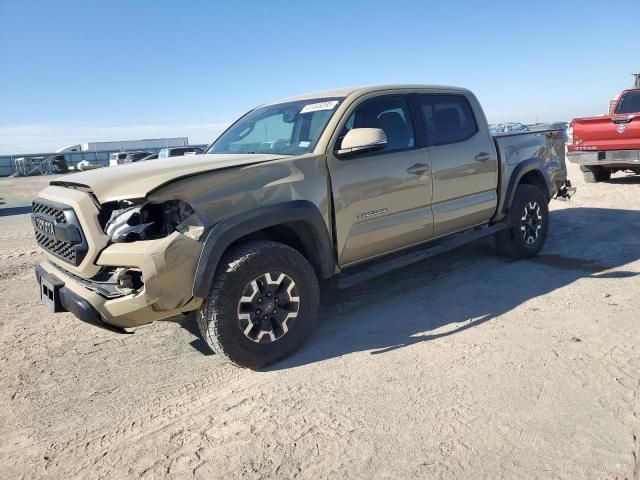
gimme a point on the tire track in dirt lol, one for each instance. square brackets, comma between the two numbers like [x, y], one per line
[622, 363]
[7, 256]
[17, 266]
[20, 236]
[530, 432]
[285, 438]
[174, 405]
[190, 418]
[635, 452]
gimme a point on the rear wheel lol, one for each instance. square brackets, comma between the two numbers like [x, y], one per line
[262, 306]
[527, 224]
[595, 174]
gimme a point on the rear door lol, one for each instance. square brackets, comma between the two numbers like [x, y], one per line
[382, 200]
[463, 160]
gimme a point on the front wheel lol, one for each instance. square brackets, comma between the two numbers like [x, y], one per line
[527, 224]
[262, 305]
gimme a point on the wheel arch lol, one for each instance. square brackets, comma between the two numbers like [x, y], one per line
[529, 172]
[297, 223]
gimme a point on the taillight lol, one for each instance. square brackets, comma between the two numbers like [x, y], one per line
[570, 135]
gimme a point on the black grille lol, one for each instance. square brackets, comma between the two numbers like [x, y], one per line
[49, 210]
[57, 247]
[66, 240]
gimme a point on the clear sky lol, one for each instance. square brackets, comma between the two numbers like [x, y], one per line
[80, 71]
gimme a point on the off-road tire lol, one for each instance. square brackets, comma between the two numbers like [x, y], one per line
[595, 174]
[510, 241]
[218, 316]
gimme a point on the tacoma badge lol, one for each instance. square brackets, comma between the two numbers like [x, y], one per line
[372, 213]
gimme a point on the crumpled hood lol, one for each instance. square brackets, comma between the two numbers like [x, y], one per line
[136, 180]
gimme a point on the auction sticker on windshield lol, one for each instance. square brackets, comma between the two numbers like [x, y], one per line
[315, 107]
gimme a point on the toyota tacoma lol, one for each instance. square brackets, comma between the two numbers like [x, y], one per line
[349, 184]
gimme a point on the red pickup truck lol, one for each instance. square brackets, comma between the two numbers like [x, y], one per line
[603, 145]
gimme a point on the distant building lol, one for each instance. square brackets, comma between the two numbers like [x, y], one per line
[124, 145]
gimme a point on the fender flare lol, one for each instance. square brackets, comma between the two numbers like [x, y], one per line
[315, 238]
[534, 164]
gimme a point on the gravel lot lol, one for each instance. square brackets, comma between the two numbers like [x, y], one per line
[466, 366]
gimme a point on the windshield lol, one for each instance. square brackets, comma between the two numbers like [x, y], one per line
[629, 103]
[291, 128]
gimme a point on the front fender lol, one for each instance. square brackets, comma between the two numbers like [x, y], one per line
[314, 236]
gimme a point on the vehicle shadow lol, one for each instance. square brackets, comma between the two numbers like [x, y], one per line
[468, 287]
[190, 324]
[628, 179]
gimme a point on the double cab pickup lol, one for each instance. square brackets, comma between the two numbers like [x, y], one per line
[293, 193]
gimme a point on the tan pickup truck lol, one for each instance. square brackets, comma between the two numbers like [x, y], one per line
[293, 193]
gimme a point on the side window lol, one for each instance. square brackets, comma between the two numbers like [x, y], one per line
[447, 118]
[390, 114]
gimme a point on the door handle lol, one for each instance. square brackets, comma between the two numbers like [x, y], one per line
[418, 169]
[482, 157]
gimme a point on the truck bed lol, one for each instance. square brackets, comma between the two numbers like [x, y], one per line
[542, 146]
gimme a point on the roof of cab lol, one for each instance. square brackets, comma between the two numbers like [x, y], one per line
[344, 92]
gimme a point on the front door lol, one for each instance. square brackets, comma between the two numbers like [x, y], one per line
[382, 200]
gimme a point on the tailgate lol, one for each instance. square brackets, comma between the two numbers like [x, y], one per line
[618, 132]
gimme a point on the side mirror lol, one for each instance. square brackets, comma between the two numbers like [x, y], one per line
[361, 140]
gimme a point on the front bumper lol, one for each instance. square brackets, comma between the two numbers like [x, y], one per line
[167, 268]
[63, 299]
[609, 158]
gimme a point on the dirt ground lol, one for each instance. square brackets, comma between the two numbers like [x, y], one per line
[466, 366]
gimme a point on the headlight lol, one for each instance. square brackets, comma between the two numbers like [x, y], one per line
[154, 220]
[125, 224]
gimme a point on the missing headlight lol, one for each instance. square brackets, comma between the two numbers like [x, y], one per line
[154, 220]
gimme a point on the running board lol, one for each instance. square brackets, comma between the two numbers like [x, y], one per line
[375, 268]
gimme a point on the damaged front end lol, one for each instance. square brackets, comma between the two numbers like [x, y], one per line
[155, 273]
[140, 264]
[151, 260]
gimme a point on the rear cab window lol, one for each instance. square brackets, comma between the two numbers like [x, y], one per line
[446, 118]
[629, 103]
